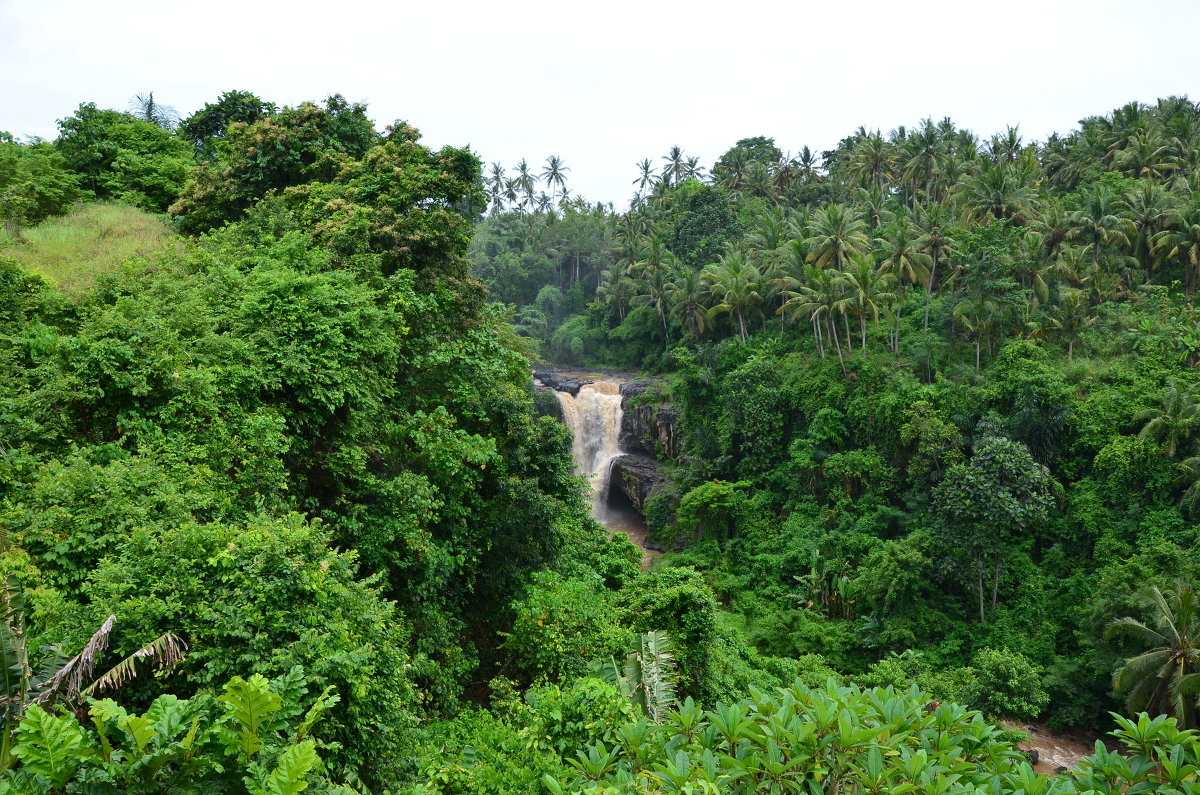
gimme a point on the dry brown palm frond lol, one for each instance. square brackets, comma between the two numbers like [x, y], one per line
[162, 652]
[69, 679]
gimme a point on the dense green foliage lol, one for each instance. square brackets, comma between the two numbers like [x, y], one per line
[305, 439]
[937, 394]
[935, 407]
[35, 183]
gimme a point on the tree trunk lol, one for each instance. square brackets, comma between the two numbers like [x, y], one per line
[816, 324]
[838, 345]
[979, 583]
[862, 324]
[849, 339]
[929, 288]
[742, 326]
[996, 584]
[978, 339]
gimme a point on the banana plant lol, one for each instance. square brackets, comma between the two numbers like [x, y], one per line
[52, 680]
[237, 742]
[648, 675]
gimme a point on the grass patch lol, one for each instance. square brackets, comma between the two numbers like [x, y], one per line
[97, 238]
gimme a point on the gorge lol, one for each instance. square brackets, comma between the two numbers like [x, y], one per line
[608, 447]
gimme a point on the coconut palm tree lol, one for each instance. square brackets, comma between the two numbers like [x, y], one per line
[1188, 478]
[1053, 223]
[1100, 221]
[686, 294]
[875, 205]
[496, 183]
[787, 272]
[820, 299]
[554, 175]
[731, 172]
[1071, 316]
[675, 169]
[936, 240]
[999, 192]
[736, 285]
[617, 290]
[807, 165]
[923, 157]
[901, 259]
[1148, 211]
[646, 177]
[653, 291]
[871, 161]
[1175, 423]
[836, 233]
[1181, 238]
[869, 289]
[1004, 148]
[978, 315]
[526, 183]
[1166, 677]
[1148, 156]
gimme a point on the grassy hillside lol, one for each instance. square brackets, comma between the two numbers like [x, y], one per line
[97, 238]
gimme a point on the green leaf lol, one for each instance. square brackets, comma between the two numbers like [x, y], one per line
[249, 704]
[50, 746]
[140, 730]
[288, 777]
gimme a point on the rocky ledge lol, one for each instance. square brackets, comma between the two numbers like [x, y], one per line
[558, 382]
[637, 476]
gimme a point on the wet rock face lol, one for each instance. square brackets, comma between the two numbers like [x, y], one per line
[637, 476]
[647, 428]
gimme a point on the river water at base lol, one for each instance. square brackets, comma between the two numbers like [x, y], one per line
[1055, 751]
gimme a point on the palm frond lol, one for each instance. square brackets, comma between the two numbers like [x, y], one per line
[69, 679]
[162, 652]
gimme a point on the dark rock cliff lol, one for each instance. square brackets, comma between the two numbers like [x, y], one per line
[646, 427]
[637, 476]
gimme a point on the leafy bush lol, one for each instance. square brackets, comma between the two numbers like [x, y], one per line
[562, 624]
[264, 597]
[256, 738]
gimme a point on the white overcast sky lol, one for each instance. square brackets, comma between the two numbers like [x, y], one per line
[605, 84]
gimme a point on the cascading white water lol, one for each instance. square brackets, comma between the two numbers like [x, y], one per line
[594, 417]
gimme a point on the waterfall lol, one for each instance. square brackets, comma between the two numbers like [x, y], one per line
[594, 417]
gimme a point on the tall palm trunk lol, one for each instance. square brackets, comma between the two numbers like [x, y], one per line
[837, 344]
[996, 583]
[817, 338]
[929, 288]
[979, 584]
